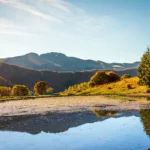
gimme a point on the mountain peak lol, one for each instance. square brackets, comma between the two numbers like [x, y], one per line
[55, 54]
[32, 54]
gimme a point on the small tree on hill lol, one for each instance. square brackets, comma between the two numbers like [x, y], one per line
[19, 90]
[40, 87]
[144, 69]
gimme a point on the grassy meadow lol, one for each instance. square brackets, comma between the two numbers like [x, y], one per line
[124, 87]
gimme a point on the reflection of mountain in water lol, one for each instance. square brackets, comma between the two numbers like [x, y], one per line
[55, 123]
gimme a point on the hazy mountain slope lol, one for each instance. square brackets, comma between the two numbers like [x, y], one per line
[4, 82]
[60, 62]
[58, 80]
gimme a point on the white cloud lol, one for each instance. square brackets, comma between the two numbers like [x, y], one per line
[57, 16]
[17, 4]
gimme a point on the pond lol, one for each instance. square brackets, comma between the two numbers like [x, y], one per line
[95, 130]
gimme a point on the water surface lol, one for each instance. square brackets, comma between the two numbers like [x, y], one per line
[95, 130]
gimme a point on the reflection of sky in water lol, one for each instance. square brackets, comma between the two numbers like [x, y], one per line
[124, 133]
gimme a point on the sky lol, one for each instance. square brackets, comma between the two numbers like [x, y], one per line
[106, 30]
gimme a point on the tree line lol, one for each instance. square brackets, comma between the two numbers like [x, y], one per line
[40, 88]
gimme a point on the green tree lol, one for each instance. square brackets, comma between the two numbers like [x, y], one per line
[19, 90]
[40, 87]
[144, 69]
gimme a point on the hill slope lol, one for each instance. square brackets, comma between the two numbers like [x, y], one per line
[58, 80]
[123, 87]
[60, 62]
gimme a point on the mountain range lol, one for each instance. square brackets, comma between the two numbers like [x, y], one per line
[60, 62]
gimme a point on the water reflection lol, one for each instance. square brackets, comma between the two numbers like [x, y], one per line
[145, 119]
[56, 123]
[96, 129]
[104, 113]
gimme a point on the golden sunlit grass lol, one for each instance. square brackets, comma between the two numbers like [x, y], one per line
[123, 87]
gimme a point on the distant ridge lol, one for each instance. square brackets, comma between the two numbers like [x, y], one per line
[60, 62]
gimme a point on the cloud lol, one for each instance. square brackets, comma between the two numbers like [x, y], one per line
[30, 9]
[58, 17]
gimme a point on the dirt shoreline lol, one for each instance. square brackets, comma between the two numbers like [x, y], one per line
[43, 106]
[7, 99]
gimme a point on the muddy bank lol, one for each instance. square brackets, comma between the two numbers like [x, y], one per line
[43, 106]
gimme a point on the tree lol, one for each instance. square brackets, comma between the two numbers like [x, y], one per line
[40, 87]
[5, 91]
[144, 69]
[19, 90]
[49, 90]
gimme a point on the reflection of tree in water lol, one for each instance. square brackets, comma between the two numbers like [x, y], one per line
[104, 113]
[145, 119]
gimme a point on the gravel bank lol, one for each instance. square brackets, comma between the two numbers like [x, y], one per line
[67, 104]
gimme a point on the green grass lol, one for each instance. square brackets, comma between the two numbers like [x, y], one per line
[124, 87]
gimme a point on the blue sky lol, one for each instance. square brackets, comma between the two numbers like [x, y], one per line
[107, 30]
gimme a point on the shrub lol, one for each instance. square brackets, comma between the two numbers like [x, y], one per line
[5, 91]
[49, 90]
[19, 90]
[40, 87]
[99, 78]
[109, 88]
[91, 84]
[113, 77]
[125, 76]
[102, 77]
[148, 90]
[129, 86]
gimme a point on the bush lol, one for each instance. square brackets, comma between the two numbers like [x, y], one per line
[125, 76]
[113, 77]
[91, 84]
[148, 90]
[99, 78]
[49, 90]
[102, 77]
[40, 87]
[5, 91]
[109, 88]
[19, 90]
[129, 86]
